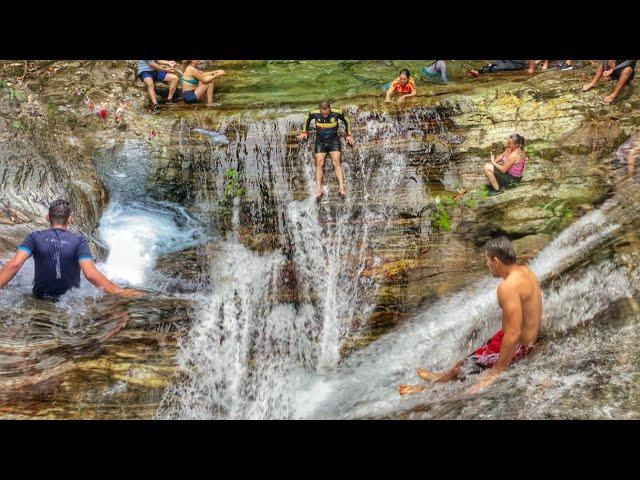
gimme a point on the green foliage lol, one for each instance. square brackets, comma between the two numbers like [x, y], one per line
[18, 125]
[3, 83]
[232, 187]
[562, 215]
[442, 218]
[18, 95]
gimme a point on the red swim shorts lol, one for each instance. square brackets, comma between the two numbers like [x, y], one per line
[487, 355]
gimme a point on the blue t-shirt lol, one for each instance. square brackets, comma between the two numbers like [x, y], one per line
[57, 254]
[143, 66]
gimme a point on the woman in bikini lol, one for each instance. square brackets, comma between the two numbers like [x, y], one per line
[196, 83]
[508, 170]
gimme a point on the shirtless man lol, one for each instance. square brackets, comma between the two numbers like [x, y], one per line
[520, 299]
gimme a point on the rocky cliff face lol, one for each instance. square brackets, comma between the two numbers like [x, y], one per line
[415, 179]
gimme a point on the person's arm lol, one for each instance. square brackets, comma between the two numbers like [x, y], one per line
[93, 275]
[168, 63]
[204, 78]
[12, 267]
[305, 127]
[390, 92]
[509, 301]
[157, 66]
[347, 126]
[494, 161]
[625, 64]
[504, 168]
[411, 94]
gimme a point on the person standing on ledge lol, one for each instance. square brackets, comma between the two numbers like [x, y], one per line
[520, 299]
[327, 141]
[59, 255]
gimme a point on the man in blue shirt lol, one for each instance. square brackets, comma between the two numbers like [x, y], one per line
[151, 71]
[59, 256]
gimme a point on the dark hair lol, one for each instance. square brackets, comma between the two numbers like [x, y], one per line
[519, 139]
[406, 72]
[325, 104]
[59, 212]
[502, 249]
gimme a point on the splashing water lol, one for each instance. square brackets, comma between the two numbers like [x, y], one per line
[251, 351]
[366, 385]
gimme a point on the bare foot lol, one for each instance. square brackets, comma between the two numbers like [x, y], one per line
[531, 70]
[588, 87]
[545, 65]
[210, 105]
[407, 389]
[318, 192]
[427, 375]
[610, 98]
[343, 192]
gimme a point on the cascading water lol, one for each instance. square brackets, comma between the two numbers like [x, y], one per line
[366, 385]
[134, 228]
[251, 350]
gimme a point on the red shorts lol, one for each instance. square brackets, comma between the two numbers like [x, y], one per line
[487, 355]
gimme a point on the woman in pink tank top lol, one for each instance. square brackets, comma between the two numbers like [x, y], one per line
[508, 170]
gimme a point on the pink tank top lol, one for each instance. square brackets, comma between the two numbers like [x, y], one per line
[517, 169]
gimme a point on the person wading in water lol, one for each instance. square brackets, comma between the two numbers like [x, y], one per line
[59, 256]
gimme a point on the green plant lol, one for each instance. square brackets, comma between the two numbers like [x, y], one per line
[18, 125]
[232, 187]
[443, 219]
[18, 95]
[562, 215]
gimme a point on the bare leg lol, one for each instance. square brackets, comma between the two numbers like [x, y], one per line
[151, 89]
[631, 161]
[545, 64]
[622, 81]
[172, 80]
[599, 72]
[433, 377]
[201, 90]
[319, 171]
[210, 95]
[488, 172]
[335, 158]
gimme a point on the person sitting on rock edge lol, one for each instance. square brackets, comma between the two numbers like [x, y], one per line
[151, 71]
[404, 85]
[508, 170]
[520, 299]
[621, 70]
[197, 83]
[59, 256]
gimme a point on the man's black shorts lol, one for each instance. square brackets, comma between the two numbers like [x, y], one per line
[326, 147]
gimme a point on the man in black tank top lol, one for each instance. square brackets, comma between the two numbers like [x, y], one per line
[59, 255]
[327, 141]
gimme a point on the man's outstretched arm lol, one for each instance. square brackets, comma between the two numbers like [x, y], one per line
[12, 267]
[93, 275]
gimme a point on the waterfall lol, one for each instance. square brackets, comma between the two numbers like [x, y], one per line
[254, 347]
[366, 384]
